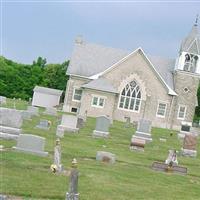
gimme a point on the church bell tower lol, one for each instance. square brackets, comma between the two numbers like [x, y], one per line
[186, 77]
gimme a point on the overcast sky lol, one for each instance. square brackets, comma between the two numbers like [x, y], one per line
[30, 29]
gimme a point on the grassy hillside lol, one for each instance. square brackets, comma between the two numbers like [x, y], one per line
[130, 178]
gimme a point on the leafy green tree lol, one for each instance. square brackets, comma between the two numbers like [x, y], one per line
[18, 80]
[55, 75]
[41, 62]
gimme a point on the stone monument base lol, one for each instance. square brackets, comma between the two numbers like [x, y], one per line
[143, 136]
[71, 196]
[69, 129]
[100, 134]
[158, 166]
[188, 152]
[39, 153]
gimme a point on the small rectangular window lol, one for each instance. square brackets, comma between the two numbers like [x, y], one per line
[98, 101]
[101, 102]
[77, 94]
[74, 110]
[181, 112]
[161, 110]
[95, 101]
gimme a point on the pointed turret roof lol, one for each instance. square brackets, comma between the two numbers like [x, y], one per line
[191, 43]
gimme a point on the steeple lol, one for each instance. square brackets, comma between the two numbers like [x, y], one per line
[191, 43]
[196, 21]
[189, 54]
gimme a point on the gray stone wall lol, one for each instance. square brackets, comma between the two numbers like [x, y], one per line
[137, 67]
[152, 88]
[190, 81]
[86, 103]
[73, 82]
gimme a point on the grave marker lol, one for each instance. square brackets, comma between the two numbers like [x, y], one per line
[143, 130]
[44, 124]
[189, 145]
[102, 127]
[73, 194]
[69, 123]
[31, 144]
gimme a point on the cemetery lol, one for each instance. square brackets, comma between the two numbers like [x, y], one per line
[104, 161]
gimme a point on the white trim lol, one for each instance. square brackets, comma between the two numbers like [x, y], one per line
[128, 110]
[130, 97]
[194, 41]
[76, 88]
[161, 102]
[98, 99]
[170, 91]
[96, 95]
[179, 106]
[85, 77]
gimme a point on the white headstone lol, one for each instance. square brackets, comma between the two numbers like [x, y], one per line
[60, 131]
[57, 156]
[69, 123]
[2, 100]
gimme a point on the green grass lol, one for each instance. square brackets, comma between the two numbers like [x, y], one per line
[130, 178]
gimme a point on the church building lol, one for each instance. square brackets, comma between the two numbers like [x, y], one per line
[121, 84]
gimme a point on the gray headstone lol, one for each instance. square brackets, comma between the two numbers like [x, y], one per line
[69, 122]
[106, 157]
[102, 124]
[2, 100]
[80, 122]
[127, 122]
[33, 110]
[144, 126]
[31, 144]
[10, 118]
[73, 186]
[43, 124]
[51, 111]
[26, 115]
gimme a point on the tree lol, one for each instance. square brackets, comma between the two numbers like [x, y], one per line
[41, 62]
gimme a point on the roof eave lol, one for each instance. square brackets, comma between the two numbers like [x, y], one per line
[99, 89]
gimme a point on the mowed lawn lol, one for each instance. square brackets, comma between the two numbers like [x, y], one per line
[131, 177]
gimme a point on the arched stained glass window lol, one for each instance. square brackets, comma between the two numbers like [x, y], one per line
[130, 97]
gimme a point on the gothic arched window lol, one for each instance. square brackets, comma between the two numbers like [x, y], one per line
[130, 97]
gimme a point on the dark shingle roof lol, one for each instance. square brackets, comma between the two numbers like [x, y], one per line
[47, 90]
[90, 59]
[101, 84]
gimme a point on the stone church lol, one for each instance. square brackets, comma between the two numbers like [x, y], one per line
[120, 84]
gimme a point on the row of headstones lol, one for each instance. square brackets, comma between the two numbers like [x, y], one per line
[72, 123]
[11, 120]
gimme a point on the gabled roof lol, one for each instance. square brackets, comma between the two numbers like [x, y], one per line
[91, 60]
[191, 43]
[101, 84]
[47, 90]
